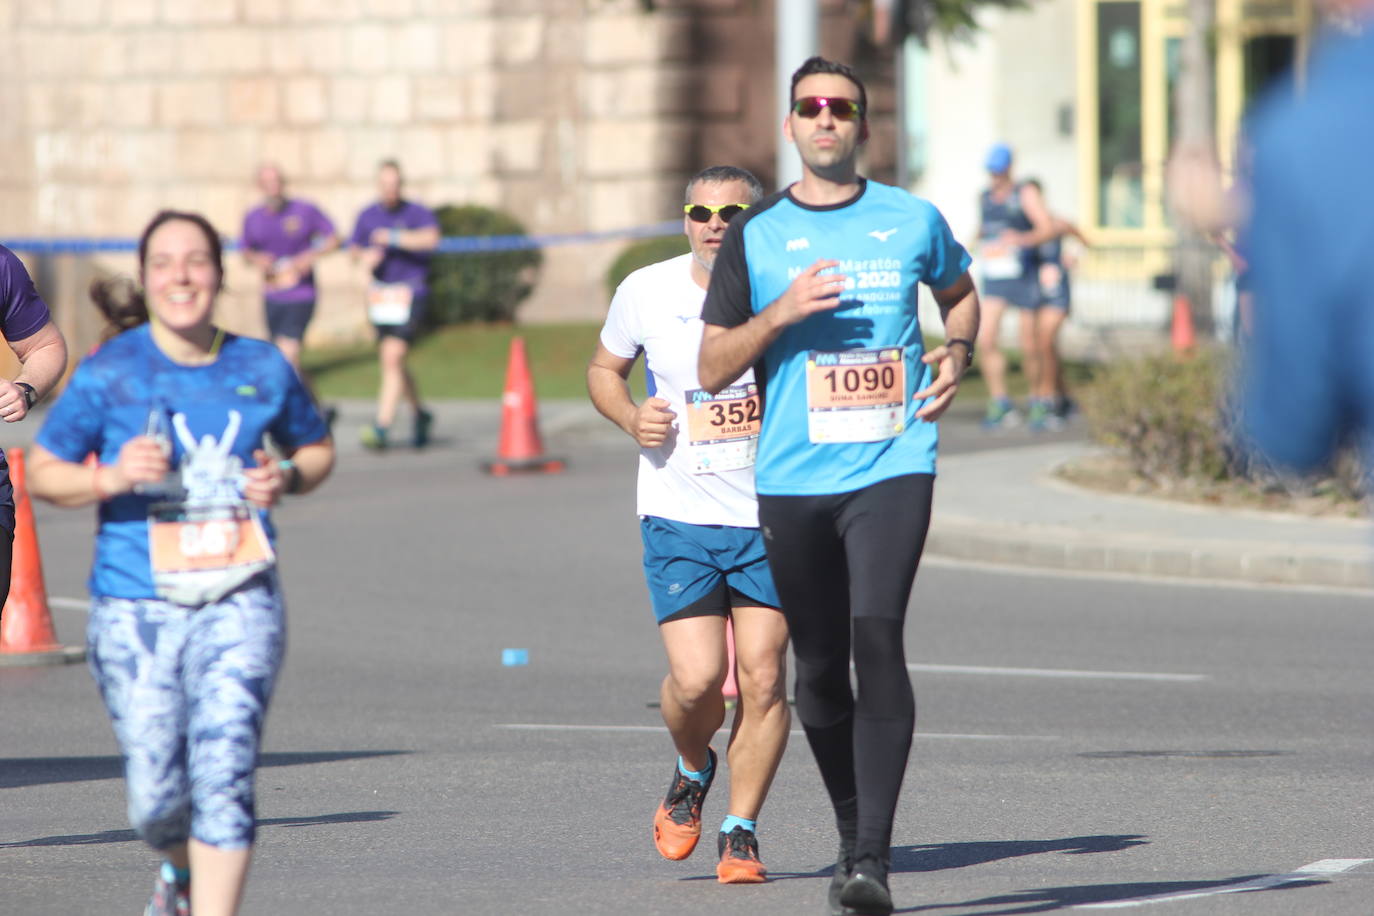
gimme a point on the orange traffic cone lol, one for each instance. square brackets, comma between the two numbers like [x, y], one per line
[27, 636]
[520, 448]
[731, 688]
[1181, 333]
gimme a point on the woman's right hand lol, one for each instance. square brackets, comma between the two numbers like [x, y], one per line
[141, 460]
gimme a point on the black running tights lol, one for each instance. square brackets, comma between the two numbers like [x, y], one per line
[844, 565]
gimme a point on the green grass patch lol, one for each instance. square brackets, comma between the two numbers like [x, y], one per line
[469, 361]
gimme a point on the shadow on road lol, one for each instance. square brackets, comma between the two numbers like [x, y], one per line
[1045, 899]
[940, 856]
[128, 836]
[21, 772]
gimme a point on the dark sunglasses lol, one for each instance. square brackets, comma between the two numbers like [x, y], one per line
[700, 213]
[842, 109]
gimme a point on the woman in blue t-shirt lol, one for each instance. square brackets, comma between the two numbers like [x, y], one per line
[186, 630]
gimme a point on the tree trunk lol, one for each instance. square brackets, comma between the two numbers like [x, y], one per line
[1194, 254]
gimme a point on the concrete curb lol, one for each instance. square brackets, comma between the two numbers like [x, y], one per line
[1047, 547]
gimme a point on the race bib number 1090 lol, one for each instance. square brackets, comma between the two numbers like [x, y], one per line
[856, 395]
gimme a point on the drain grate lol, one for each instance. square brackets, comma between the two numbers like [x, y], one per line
[1209, 755]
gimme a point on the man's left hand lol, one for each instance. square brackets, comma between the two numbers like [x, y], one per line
[945, 384]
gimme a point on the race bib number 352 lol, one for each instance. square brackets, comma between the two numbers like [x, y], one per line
[856, 395]
[723, 429]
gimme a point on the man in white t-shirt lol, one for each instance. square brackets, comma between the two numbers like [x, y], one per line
[704, 558]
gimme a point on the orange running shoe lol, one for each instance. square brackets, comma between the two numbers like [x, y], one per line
[739, 858]
[677, 822]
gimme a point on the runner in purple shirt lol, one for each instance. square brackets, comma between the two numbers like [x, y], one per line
[284, 237]
[28, 329]
[395, 239]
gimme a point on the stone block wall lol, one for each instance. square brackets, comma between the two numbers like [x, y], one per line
[574, 115]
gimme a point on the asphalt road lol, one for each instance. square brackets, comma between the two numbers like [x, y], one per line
[1081, 741]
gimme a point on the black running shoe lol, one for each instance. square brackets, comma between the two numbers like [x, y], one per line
[844, 866]
[866, 893]
[739, 858]
[677, 822]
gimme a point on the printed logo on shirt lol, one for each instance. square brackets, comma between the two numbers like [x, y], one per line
[798, 244]
[292, 224]
[246, 391]
[686, 319]
[883, 235]
[210, 471]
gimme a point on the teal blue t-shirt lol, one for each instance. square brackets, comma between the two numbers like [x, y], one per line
[838, 409]
[226, 407]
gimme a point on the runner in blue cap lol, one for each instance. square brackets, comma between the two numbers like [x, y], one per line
[1013, 221]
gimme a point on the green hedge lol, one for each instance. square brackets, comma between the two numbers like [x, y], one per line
[1164, 413]
[641, 254]
[1175, 422]
[486, 286]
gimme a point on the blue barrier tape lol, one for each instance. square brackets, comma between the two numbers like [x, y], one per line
[458, 244]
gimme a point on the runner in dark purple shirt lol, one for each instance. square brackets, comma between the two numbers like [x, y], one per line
[399, 263]
[395, 239]
[284, 237]
[27, 327]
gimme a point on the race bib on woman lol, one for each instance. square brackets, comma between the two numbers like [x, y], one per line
[201, 554]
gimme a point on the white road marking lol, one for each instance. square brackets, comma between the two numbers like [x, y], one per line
[71, 604]
[1013, 569]
[1056, 672]
[1306, 873]
[565, 727]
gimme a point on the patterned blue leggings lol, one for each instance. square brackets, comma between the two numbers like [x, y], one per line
[187, 689]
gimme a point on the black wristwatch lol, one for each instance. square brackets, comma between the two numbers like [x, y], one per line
[30, 394]
[968, 344]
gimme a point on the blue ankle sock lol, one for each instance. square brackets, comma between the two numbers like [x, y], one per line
[731, 822]
[170, 872]
[694, 776]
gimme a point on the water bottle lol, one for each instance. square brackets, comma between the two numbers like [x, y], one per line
[157, 427]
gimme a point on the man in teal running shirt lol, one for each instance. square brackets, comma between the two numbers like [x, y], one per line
[815, 287]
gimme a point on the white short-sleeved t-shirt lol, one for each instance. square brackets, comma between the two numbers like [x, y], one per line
[703, 474]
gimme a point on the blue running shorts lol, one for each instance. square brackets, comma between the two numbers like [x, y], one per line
[704, 570]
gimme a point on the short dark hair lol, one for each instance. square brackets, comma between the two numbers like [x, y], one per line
[819, 64]
[719, 174]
